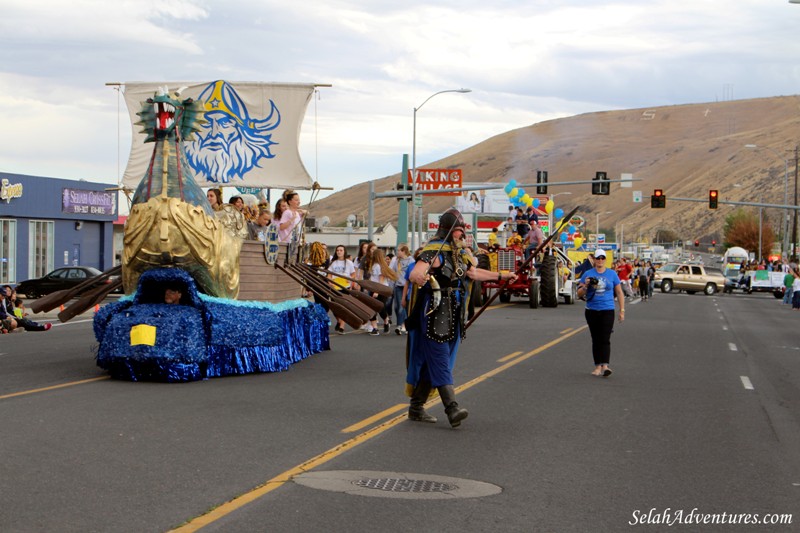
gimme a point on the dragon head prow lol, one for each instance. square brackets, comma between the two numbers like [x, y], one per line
[165, 114]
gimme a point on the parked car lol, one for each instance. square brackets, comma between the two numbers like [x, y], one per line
[60, 278]
[691, 278]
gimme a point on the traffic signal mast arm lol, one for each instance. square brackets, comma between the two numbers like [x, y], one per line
[731, 202]
[395, 194]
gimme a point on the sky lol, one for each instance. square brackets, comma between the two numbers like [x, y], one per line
[525, 61]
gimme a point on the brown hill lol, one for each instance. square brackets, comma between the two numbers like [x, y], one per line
[684, 150]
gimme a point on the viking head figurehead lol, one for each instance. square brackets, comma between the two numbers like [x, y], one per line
[451, 220]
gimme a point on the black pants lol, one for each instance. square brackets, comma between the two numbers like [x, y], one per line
[384, 315]
[601, 325]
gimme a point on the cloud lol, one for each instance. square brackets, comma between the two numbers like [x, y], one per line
[525, 61]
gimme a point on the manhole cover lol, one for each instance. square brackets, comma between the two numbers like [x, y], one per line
[405, 485]
[396, 485]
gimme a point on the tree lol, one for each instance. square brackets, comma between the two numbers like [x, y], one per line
[741, 229]
[665, 236]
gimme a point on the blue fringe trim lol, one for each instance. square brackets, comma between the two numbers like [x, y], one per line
[206, 337]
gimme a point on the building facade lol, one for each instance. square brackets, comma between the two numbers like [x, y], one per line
[46, 223]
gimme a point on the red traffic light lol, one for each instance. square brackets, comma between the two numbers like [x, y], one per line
[658, 200]
[713, 199]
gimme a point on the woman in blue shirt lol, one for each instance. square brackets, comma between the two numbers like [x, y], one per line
[599, 285]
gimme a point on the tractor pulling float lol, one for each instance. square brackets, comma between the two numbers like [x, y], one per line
[540, 282]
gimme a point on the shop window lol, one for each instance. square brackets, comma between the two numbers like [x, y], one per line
[40, 248]
[8, 251]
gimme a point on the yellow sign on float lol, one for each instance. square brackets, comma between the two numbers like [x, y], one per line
[143, 334]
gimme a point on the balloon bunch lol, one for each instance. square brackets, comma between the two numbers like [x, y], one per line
[571, 234]
[518, 197]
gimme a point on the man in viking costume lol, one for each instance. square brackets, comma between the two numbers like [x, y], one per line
[442, 280]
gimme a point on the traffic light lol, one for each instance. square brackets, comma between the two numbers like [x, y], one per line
[400, 187]
[714, 242]
[696, 244]
[600, 183]
[541, 180]
[713, 199]
[658, 200]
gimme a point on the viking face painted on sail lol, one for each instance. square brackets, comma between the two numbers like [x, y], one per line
[230, 143]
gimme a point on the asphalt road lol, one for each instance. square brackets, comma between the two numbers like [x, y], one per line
[674, 430]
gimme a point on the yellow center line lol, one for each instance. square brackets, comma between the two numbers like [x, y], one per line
[54, 387]
[566, 330]
[374, 418]
[519, 359]
[512, 355]
[284, 477]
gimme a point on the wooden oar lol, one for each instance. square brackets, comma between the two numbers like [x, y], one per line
[312, 276]
[522, 267]
[371, 286]
[373, 303]
[88, 300]
[54, 299]
[338, 310]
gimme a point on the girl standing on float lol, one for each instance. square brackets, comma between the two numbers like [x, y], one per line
[291, 217]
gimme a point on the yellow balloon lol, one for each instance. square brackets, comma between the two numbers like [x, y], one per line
[578, 241]
[525, 198]
[548, 207]
[513, 192]
[529, 201]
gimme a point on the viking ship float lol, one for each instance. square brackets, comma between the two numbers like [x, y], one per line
[241, 309]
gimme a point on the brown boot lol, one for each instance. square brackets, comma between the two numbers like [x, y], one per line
[455, 414]
[416, 409]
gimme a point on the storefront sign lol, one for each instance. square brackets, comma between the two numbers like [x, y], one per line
[10, 190]
[77, 201]
[437, 180]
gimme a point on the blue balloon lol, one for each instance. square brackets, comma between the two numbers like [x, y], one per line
[508, 188]
[520, 193]
[513, 183]
[571, 229]
[536, 203]
[560, 213]
[563, 237]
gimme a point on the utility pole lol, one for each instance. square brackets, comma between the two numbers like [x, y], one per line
[794, 223]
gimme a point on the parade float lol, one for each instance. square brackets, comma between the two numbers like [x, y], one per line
[241, 309]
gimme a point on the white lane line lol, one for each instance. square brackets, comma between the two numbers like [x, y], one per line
[732, 347]
[724, 328]
[748, 385]
[719, 310]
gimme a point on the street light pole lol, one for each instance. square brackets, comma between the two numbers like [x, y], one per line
[414, 165]
[794, 224]
[597, 221]
[785, 225]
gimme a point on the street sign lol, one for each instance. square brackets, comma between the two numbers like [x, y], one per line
[628, 180]
[418, 201]
[637, 197]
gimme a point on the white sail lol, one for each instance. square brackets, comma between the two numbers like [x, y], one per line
[250, 138]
